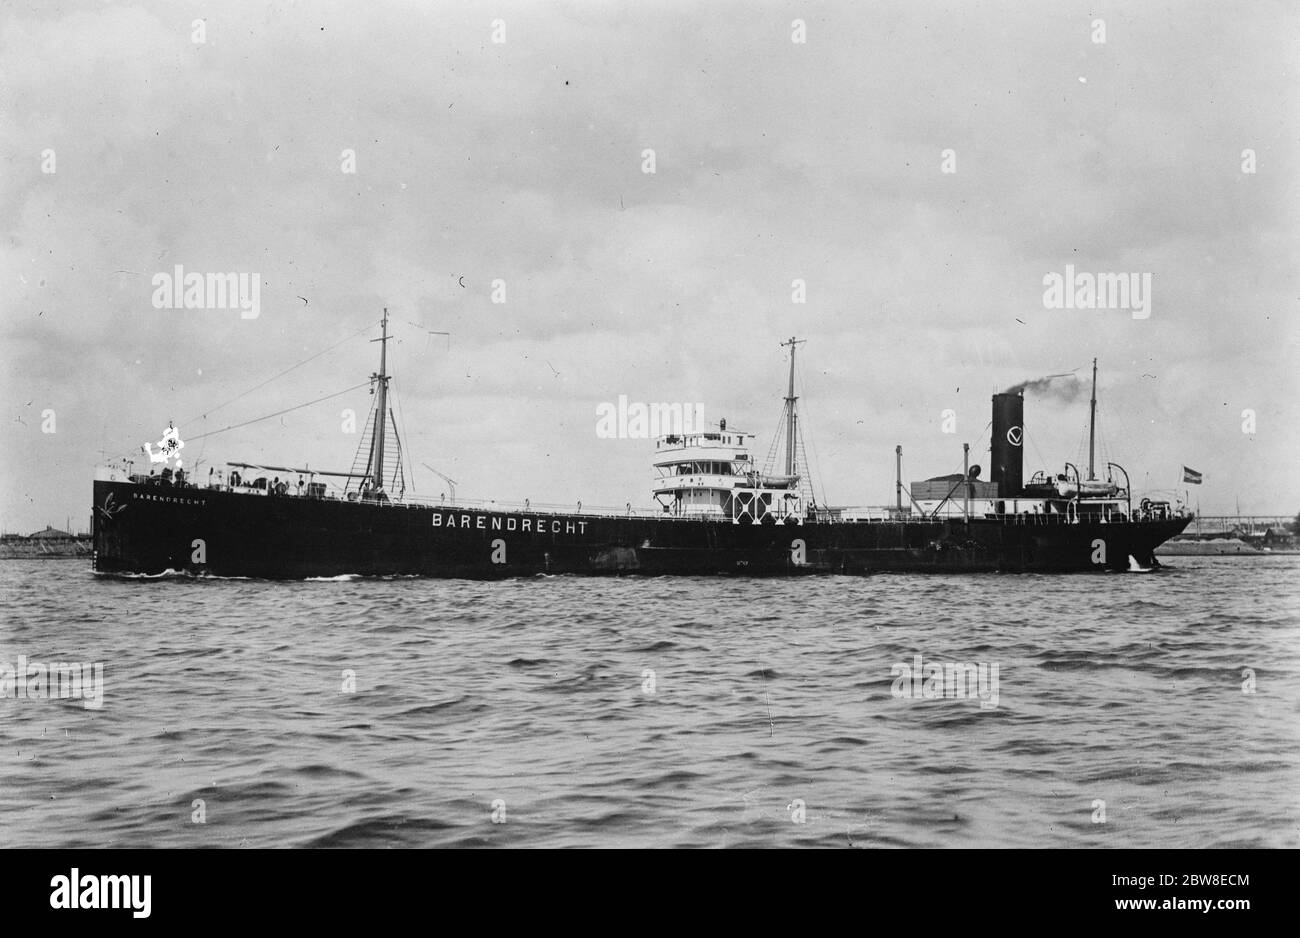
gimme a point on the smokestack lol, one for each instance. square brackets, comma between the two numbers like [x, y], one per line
[1008, 439]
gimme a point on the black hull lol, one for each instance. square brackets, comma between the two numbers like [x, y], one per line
[149, 530]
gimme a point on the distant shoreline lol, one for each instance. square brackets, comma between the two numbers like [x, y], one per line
[66, 550]
[1225, 546]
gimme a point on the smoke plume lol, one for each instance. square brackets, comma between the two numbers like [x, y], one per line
[1062, 387]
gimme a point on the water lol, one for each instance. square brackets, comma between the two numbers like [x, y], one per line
[771, 721]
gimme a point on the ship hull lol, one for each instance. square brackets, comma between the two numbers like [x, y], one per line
[150, 530]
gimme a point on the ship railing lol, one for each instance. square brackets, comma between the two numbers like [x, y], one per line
[1029, 520]
[1043, 518]
[891, 516]
[527, 506]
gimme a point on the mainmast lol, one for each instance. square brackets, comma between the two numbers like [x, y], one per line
[898, 476]
[791, 419]
[1092, 423]
[382, 410]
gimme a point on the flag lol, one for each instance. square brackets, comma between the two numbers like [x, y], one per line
[1191, 475]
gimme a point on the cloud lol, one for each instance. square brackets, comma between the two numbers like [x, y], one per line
[521, 162]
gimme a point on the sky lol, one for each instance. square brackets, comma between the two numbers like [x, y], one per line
[891, 182]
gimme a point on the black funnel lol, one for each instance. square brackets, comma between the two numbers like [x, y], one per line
[1008, 440]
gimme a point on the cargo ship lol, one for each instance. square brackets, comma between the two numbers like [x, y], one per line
[716, 513]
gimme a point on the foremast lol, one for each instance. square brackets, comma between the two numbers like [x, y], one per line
[792, 419]
[381, 412]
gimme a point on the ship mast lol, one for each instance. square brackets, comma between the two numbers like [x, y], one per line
[1092, 424]
[791, 419]
[382, 410]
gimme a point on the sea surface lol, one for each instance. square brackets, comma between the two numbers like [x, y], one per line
[629, 712]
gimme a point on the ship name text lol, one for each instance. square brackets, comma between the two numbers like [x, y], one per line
[481, 522]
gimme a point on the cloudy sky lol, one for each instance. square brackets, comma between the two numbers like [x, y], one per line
[135, 139]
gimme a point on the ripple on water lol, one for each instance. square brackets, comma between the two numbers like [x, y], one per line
[523, 713]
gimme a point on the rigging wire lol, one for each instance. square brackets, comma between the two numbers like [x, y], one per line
[278, 413]
[400, 468]
[366, 445]
[127, 454]
[257, 387]
[769, 464]
[1037, 452]
[400, 418]
[812, 442]
[1103, 447]
[1082, 448]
